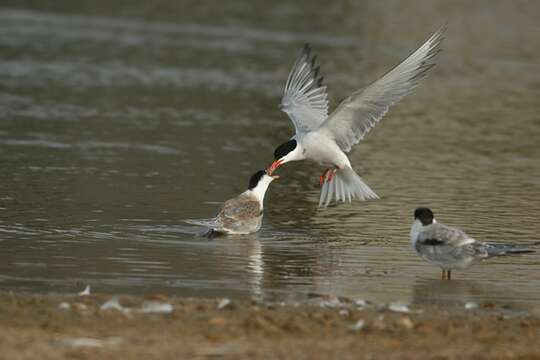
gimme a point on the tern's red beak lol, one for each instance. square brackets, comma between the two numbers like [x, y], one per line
[274, 166]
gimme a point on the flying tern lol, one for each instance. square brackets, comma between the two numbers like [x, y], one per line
[325, 139]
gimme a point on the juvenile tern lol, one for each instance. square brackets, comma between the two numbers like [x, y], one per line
[242, 214]
[451, 248]
[326, 139]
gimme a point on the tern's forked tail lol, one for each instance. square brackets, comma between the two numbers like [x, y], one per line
[508, 249]
[345, 185]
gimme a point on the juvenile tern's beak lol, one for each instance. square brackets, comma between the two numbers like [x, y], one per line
[275, 177]
[274, 166]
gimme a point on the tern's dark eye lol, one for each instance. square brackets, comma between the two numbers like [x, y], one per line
[284, 149]
[425, 215]
[254, 180]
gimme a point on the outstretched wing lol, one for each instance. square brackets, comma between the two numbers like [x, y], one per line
[304, 98]
[359, 113]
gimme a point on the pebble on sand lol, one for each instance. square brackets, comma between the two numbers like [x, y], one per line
[399, 307]
[64, 306]
[156, 307]
[76, 342]
[471, 305]
[113, 304]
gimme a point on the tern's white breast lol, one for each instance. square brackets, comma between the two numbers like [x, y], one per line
[323, 150]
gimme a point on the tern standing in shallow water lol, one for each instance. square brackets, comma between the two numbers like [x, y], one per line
[326, 139]
[450, 248]
[242, 214]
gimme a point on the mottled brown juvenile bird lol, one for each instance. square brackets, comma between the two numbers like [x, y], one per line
[242, 214]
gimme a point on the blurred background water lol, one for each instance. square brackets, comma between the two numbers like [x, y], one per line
[120, 119]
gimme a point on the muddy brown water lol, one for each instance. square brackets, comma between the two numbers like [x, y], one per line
[117, 122]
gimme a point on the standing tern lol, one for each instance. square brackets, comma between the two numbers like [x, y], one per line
[325, 139]
[450, 248]
[242, 214]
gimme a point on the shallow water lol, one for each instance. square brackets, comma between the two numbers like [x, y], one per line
[118, 122]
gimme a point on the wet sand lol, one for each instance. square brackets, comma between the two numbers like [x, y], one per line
[76, 327]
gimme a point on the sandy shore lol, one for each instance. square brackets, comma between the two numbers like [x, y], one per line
[158, 327]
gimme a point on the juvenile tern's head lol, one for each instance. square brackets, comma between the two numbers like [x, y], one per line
[286, 152]
[424, 215]
[259, 182]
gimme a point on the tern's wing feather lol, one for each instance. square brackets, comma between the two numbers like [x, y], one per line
[447, 246]
[241, 208]
[361, 111]
[304, 97]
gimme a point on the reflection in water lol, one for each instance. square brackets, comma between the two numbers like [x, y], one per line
[256, 270]
[117, 126]
[460, 292]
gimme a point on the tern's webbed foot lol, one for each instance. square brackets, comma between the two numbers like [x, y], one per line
[211, 234]
[327, 176]
[331, 174]
[322, 178]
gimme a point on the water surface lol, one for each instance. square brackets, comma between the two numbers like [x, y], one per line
[118, 122]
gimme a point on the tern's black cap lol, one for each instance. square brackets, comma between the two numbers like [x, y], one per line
[425, 215]
[254, 180]
[284, 149]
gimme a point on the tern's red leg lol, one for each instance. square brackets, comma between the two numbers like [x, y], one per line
[322, 178]
[332, 173]
[446, 275]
